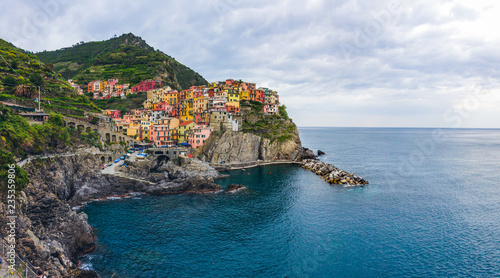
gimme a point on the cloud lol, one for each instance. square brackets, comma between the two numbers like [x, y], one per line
[334, 63]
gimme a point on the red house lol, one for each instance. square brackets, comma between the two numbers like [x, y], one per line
[115, 114]
[146, 85]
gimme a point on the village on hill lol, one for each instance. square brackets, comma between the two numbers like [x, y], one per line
[188, 117]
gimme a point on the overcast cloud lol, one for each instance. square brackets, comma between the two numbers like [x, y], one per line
[334, 63]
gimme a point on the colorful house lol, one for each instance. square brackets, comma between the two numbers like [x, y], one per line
[172, 98]
[184, 128]
[233, 95]
[157, 114]
[160, 135]
[233, 107]
[245, 95]
[200, 104]
[271, 109]
[115, 114]
[199, 135]
[146, 85]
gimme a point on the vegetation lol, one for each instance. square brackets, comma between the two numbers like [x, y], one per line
[274, 127]
[127, 58]
[21, 74]
[20, 177]
[21, 139]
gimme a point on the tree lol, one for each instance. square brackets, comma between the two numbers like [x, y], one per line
[56, 119]
[283, 112]
[13, 64]
[94, 120]
[37, 79]
[9, 83]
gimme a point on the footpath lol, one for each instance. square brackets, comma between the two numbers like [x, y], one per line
[45, 156]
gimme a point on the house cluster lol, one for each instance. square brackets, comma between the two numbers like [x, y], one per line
[75, 86]
[107, 89]
[111, 88]
[171, 117]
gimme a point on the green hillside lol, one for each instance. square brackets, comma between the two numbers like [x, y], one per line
[128, 58]
[21, 73]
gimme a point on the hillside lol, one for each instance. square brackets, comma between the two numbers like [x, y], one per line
[128, 58]
[20, 75]
[273, 127]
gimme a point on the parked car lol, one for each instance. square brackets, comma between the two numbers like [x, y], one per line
[122, 157]
[117, 160]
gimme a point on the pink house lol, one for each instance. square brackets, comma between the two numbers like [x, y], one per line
[199, 135]
[160, 135]
[165, 107]
[271, 109]
[146, 85]
[198, 93]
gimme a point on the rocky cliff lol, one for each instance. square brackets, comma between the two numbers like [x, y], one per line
[240, 148]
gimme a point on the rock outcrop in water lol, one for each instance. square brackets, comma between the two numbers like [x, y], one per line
[332, 174]
[233, 188]
[307, 154]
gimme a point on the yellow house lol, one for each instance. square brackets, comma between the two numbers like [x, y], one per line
[245, 95]
[184, 128]
[189, 94]
[233, 96]
[133, 129]
[187, 110]
[172, 98]
[145, 124]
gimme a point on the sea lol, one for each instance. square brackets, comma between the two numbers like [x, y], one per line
[432, 209]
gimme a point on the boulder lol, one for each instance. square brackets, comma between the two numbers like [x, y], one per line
[233, 188]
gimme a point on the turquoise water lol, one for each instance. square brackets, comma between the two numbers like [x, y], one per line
[432, 209]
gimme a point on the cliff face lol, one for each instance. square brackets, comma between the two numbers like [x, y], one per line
[49, 233]
[239, 147]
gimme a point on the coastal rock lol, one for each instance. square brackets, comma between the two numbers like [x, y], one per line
[192, 168]
[333, 175]
[233, 188]
[196, 185]
[239, 147]
[307, 154]
[320, 153]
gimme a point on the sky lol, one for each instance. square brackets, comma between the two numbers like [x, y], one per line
[334, 63]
